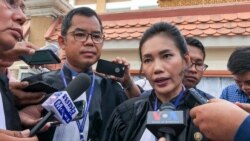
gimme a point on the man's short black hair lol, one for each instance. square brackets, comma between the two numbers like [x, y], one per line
[83, 11]
[196, 43]
[239, 61]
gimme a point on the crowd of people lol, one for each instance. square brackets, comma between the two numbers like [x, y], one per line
[116, 108]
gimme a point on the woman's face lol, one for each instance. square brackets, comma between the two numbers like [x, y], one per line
[163, 64]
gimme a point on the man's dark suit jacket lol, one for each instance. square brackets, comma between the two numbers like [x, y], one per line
[107, 95]
[12, 118]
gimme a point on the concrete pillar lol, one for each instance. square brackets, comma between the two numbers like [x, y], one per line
[36, 35]
[101, 6]
[42, 14]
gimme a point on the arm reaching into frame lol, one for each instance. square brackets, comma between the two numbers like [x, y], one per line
[6, 135]
[219, 113]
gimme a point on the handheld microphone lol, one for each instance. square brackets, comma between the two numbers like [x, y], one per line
[75, 88]
[194, 98]
[166, 123]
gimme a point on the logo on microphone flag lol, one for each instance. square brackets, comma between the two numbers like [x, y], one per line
[61, 104]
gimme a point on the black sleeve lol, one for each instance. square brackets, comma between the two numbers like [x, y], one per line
[112, 96]
[115, 129]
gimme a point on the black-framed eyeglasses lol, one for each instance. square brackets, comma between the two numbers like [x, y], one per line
[14, 5]
[83, 36]
[199, 66]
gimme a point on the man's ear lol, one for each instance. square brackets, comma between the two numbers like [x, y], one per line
[61, 41]
[187, 61]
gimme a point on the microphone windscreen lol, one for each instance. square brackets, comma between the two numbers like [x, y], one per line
[194, 98]
[78, 85]
[167, 107]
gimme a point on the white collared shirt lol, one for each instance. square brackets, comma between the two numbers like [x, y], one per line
[147, 136]
[2, 115]
[70, 132]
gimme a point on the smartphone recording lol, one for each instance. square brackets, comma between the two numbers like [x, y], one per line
[40, 87]
[41, 57]
[110, 68]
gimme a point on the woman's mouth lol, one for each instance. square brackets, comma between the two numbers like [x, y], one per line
[162, 81]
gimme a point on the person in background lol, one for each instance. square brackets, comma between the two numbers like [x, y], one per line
[239, 65]
[209, 117]
[194, 73]
[164, 56]
[82, 40]
[222, 120]
[11, 47]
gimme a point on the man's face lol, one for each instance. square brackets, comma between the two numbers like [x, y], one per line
[11, 20]
[82, 54]
[192, 74]
[243, 81]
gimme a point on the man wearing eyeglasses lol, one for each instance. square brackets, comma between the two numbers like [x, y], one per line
[194, 73]
[82, 40]
[231, 119]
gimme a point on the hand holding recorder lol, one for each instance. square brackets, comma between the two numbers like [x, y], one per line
[74, 90]
[218, 119]
[20, 48]
[118, 70]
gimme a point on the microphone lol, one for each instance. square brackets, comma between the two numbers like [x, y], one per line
[75, 88]
[166, 123]
[194, 98]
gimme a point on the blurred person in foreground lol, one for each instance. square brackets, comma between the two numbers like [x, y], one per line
[222, 120]
[11, 47]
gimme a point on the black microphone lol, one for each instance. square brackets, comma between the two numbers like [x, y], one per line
[193, 98]
[167, 132]
[75, 88]
[166, 123]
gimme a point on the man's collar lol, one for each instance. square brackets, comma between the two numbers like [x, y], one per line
[238, 90]
[74, 73]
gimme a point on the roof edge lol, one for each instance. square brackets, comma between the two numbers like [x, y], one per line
[238, 7]
[52, 27]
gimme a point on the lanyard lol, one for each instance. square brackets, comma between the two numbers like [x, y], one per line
[176, 102]
[85, 114]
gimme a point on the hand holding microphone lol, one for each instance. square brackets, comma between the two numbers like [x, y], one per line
[75, 88]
